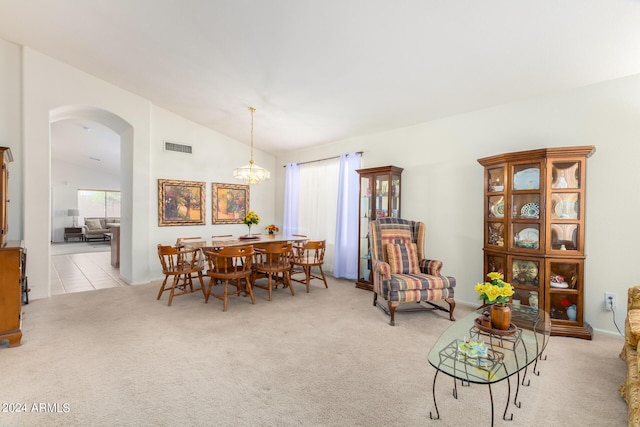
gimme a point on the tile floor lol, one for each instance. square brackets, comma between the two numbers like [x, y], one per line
[83, 272]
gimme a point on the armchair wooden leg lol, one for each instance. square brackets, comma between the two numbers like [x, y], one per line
[392, 312]
[452, 306]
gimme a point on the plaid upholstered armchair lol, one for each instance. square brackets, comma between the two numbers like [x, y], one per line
[399, 271]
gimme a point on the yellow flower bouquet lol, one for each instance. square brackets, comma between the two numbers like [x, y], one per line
[251, 218]
[495, 291]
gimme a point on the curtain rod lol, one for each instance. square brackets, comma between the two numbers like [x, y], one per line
[321, 160]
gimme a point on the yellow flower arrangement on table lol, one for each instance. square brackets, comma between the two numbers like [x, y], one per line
[495, 291]
[272, 228]
[251, 218]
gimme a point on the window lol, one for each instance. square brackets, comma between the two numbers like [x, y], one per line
[99, 203]
[319, 204]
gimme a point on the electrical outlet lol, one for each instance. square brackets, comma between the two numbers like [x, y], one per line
[609, 301]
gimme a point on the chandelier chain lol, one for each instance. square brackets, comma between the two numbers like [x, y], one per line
[253, 110]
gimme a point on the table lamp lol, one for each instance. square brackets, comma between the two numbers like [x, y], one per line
[74, 213]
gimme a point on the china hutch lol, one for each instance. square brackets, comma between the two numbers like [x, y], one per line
[534, 230]
[12, 259]
[379, 198]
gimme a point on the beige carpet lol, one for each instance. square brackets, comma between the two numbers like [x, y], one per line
[118, 357]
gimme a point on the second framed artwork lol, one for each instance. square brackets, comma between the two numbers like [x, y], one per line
[230, 203]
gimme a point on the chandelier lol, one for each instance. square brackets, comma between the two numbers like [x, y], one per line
[251, 174]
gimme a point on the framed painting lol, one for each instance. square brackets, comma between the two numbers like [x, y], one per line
[181, 202]
[230, 203]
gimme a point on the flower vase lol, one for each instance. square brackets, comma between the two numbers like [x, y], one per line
[272, 235]
[249, 235]
[572, 312]
[500, 316]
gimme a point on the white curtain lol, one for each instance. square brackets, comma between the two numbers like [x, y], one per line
[318, 204]
[346, 240]
[291, 199]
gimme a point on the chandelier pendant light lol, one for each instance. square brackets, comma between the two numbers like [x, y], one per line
[251, 174]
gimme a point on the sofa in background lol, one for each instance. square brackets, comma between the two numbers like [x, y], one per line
[94, 228]
[630, 390]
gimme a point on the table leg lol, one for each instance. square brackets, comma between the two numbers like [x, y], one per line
[504, 415]
[433, 391]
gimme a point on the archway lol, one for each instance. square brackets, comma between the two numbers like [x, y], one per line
[125, 132]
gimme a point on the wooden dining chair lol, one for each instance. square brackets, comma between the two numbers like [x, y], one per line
[230, 265]
[273, 262]
[307, 256]
[182, 266]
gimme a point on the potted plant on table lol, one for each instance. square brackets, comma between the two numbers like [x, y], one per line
[497, 293]
[272, 229]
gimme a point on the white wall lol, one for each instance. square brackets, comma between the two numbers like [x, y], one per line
[443, 183]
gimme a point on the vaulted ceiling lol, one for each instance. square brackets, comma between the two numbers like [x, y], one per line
[323, 70]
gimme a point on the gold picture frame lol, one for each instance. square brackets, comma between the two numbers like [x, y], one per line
[181, 202]
[230, 203]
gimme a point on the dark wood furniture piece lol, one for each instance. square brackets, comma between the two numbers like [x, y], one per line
[380, 189]
[13, 258]
[72, 232]
[534, 230]
[180, 265]
[12, 283]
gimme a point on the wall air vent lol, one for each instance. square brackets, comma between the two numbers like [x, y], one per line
[180, 148]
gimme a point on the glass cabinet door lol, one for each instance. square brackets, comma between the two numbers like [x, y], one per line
[365, 217]
[382, 196]
[395, 196]
[525, 277]
[524, 207]
[565, 289]
[495, 206]
[565, 209]
[379, 198]
[495, 179]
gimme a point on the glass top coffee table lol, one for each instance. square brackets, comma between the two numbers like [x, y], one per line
[471, 353]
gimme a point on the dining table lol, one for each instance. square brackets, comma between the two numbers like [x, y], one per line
[256, 240]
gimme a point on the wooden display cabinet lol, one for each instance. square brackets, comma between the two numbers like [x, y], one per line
[534, 222]
[12, 260]
[11, 288]
[380, 189]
